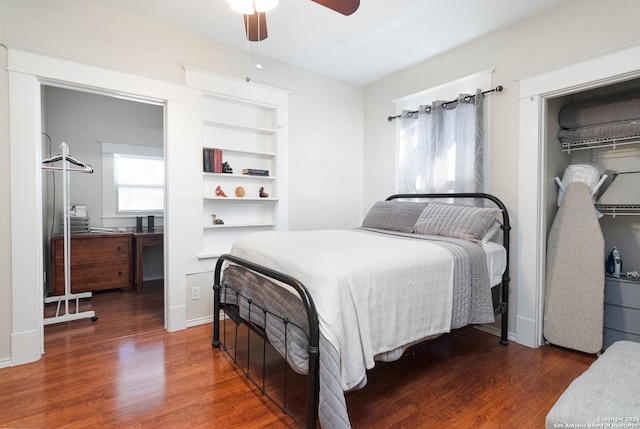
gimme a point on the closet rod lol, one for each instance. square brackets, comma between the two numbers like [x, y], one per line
[498, 88]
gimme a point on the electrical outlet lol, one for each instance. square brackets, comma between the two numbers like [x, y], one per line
[195, 292]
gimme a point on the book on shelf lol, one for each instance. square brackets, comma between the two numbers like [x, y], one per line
[206, 164]
[212, 160]
[255, 172]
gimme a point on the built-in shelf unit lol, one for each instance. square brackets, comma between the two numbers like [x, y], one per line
[246, 124]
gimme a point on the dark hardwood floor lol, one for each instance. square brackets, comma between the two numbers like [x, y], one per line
[126, 371]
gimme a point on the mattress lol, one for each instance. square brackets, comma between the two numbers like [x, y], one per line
[496, 256]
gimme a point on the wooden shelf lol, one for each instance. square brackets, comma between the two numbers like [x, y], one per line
[238, 127]
[240, 176]
[240, 225]
[242, 152]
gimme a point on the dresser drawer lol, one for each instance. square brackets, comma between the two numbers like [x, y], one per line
[622, 292]
[90, 277]
[622, 318]
[94, 249]
[611, 336]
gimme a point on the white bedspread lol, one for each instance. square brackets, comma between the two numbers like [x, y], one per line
[348, 268]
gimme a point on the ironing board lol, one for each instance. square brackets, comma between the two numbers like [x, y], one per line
[574, 298]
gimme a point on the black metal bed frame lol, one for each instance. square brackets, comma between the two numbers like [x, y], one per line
[313, 334]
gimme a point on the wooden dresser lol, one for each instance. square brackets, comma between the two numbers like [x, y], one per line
[98, 261]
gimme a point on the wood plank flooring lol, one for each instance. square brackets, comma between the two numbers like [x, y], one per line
[126, 371]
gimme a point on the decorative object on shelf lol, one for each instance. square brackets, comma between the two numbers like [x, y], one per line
[220, 192]
[255, 172]
[216, 221]
[240, 192]
[262, 193]
[226, 168]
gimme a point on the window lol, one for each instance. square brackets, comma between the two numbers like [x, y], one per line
[139, 183]
[439, 147]
[132, 183]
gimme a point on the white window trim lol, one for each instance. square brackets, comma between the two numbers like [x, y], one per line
[110, 217]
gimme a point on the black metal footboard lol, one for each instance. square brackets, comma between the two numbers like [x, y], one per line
[313, 348]
[501, 307]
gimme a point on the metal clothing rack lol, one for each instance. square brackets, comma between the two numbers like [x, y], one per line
[69, 165]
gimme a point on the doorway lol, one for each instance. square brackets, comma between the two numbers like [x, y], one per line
[116, 258]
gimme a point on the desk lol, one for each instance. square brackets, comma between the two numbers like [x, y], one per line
[140, 241]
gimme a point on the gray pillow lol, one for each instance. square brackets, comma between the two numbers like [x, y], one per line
[394, 215]
[455, 220]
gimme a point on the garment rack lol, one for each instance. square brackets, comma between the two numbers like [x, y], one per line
[66, 168]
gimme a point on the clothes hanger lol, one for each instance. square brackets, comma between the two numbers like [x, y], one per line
[84, 168]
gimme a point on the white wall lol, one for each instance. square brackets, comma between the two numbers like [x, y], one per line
[574, 30]
[325, 114]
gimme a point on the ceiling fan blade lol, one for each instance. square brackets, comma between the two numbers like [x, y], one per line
[255, 26]
[345, 7]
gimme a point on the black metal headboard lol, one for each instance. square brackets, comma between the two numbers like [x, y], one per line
[505, 227]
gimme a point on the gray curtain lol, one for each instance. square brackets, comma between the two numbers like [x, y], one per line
[441, 147]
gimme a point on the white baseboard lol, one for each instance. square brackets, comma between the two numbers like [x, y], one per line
[25, 347]
[199, 321]
[5, 363]
[494, 330]
[177, 318]
[526, 332]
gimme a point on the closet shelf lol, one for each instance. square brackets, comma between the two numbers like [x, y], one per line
[619, 209]
[600, 143]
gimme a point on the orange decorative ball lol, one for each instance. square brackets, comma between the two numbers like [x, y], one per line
[240, 191]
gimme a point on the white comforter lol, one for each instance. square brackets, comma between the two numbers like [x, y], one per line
[350, 267]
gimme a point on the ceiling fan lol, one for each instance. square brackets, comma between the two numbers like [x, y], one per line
[255, 21]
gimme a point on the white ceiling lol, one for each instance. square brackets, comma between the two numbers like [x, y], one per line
[380, 38]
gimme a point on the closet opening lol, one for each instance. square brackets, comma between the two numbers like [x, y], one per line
[600, 114]
[116, 213]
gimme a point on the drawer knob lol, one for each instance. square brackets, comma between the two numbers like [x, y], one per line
[119, 273]
[119, 248]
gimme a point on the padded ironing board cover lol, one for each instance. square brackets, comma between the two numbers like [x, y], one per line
[574, 298]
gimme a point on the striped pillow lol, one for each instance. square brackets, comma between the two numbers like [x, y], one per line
[398, 216]
[455, 220]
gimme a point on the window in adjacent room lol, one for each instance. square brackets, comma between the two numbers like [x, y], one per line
[132, 183]
[139, 183]
[442, 147]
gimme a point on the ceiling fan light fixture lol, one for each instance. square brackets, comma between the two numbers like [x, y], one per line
[264, 5]
[241, 6]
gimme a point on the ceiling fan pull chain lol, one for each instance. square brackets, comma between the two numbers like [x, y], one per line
[259, 65]
[248, 66]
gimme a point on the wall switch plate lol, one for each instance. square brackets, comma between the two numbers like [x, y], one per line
[195, 292]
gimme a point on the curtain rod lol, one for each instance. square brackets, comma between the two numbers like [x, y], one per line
[498, 88]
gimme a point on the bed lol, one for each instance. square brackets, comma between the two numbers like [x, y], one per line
[333, 302]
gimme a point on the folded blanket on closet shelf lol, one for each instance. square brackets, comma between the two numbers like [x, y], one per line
[606, 131]
[618, 107]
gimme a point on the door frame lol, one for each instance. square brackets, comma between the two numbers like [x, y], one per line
[28, 72]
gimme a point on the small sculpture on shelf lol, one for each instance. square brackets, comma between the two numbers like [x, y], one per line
[239, 192]
[220, 192]
[262, 193]
[216, 221]
[226, 168]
